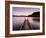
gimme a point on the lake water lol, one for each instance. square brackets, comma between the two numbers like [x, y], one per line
[19, 23]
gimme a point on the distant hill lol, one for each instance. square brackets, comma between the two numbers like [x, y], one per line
[19, 16]
[35, 14]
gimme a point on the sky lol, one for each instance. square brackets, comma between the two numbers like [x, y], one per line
[24, 10]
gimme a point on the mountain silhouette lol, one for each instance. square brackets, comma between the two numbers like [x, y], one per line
[35, 14]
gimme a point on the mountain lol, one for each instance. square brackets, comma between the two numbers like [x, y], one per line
[35, 14]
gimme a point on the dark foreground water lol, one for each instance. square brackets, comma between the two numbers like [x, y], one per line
[26, 23]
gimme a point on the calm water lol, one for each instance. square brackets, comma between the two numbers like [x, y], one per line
[18, 23]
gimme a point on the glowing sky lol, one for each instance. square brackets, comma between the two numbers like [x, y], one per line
[24, 10]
